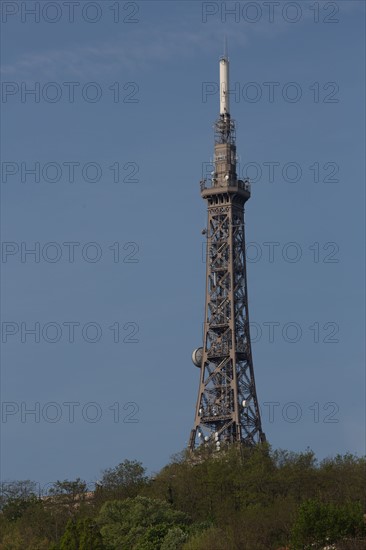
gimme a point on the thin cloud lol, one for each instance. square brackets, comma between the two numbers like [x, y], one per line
[139, 50]
[133, 52]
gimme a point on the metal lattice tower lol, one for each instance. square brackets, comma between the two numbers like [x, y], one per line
[227, 406]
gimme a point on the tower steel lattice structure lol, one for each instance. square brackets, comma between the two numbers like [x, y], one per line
[227, 408]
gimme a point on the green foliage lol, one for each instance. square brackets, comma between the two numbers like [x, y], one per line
[163, 537]
[90, 537]
[174, 539]
[254, 495]
[128, 472]
[68, 488]
[127, 524]
[82, 534]
[209, 539]
[17, 541]
[11, 490]
[248, 498]
[326, 523]
[123, 481]
[25, 524]
[67, 499]
[15, 508]
[153, 537]
[70, 539]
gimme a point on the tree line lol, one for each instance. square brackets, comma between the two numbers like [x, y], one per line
[236, 499]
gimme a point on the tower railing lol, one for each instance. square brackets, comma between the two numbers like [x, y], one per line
[209, 183]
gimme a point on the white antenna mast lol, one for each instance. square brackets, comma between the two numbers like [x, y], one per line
[224, 82]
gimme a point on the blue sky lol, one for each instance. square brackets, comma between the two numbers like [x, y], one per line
[311, 373]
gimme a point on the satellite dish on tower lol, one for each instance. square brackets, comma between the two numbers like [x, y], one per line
[197, 355]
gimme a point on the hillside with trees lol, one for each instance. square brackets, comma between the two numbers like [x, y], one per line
[248, 499]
